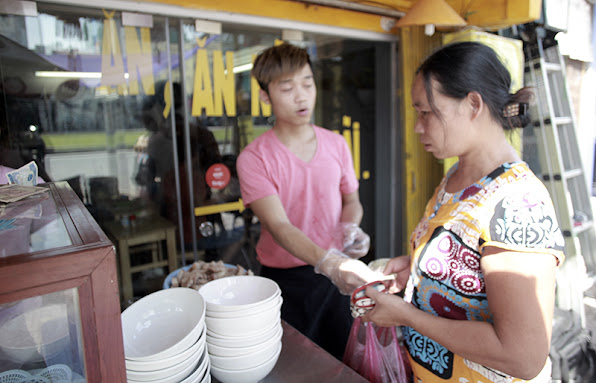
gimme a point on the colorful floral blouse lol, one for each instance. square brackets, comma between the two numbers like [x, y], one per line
[509, 209]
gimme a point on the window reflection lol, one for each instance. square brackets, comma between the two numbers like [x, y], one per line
[118, 145]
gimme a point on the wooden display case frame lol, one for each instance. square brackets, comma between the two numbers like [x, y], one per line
[89, 265]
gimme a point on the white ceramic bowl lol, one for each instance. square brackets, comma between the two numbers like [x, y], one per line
[151, 365]
[243, 362]
[188, 365]
[271, 303]
[244, 326]
[162, 324]
[227, 352]
[250, 375]
[36, 334]
[202, 372]
[227, 341]
[172, 377]
[238, 292]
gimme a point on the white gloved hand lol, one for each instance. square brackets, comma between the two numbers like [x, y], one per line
[355, 241]
[345, 273]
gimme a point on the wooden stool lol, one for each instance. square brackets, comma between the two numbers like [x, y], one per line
[146, 234]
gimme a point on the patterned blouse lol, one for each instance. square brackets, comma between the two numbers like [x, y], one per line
[509, 209]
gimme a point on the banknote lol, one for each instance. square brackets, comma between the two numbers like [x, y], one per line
[26, 175]
[12, 193]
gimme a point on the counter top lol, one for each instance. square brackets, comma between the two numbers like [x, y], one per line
[302, 361]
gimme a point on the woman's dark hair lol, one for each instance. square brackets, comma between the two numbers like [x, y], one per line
[461, 68]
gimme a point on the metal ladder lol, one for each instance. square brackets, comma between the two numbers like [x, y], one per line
[560, 164]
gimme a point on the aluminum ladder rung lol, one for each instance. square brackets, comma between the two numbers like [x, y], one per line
[544, 65]
[551, 67]
[582, 227]
[572, 173]
[563, 120]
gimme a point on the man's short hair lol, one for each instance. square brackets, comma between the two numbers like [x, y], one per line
[277, 61]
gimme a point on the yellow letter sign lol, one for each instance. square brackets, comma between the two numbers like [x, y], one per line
[139, 60]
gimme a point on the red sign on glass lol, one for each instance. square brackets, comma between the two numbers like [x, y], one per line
[218, 176]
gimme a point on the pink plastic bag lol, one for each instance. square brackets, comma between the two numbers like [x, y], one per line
[374, 352]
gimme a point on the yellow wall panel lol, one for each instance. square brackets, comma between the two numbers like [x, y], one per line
[421, 170]
[490, 14]
[519, 11]
[290, 10]
[495, 14]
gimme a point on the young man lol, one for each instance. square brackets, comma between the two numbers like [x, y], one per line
[299, 181]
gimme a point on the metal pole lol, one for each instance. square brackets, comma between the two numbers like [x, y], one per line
[187, 146]
[174, 143]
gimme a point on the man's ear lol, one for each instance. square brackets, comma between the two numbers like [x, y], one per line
[264, 96]
[476, 104]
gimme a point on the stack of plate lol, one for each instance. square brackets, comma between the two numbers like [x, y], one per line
[165, 338]
[243, 327]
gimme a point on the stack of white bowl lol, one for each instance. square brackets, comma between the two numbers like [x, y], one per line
[243, 327]
[165, 338]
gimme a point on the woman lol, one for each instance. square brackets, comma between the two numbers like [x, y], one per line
[480, 292]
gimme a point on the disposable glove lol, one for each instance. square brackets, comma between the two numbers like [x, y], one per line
[355, 241]
[345, 273]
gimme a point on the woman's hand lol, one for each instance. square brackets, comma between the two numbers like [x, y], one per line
[400, 266]
[390, 310]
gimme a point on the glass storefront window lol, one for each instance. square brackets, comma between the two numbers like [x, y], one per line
[88, 98]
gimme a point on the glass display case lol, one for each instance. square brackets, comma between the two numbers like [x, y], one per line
[59, 300]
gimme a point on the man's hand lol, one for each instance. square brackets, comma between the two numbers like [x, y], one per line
[355, 241]
[345, 273]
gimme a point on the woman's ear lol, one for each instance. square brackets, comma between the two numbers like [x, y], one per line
[476, 104]
[264, 96]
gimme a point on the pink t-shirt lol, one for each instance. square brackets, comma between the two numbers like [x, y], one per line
[310, 192]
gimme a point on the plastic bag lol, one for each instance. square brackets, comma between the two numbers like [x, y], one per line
[374, 353]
